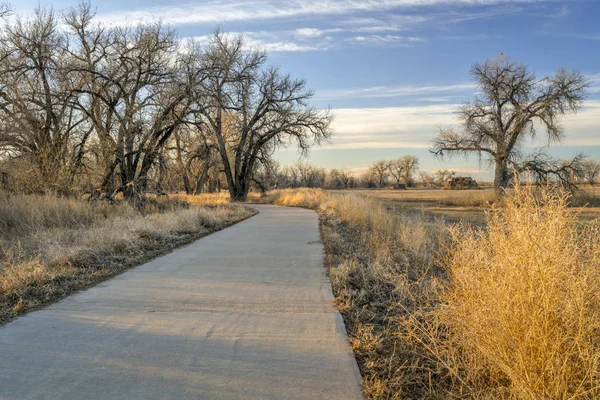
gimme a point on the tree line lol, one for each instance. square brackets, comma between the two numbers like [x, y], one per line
[125, 109]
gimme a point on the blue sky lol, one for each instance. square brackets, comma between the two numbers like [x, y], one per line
[394, 70]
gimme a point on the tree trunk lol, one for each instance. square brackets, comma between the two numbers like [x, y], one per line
[239, 191]
[201, 180]
[501, 175]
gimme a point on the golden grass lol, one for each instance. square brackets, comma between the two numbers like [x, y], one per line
[521, 315]
[204, 199]
[51, 246]
[432, 311]
[470, 205]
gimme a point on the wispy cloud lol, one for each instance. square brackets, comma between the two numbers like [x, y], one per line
[385, 39]
[561, 12]
[482, 36]
[231, 10]
[414, 127]
[274, 42]
[407, 127]
[395, 91]
[314, 32]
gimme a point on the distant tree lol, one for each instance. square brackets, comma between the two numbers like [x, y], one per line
[426, 179]
[441, 176]
[591, 171]
[543, 169]
[340, 179]
[380, 171]
[403, 169]
[368, 179]
[496, 124]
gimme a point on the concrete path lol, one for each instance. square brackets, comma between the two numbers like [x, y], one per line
[245, 313]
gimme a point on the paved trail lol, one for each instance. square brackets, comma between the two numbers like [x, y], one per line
[245, 313]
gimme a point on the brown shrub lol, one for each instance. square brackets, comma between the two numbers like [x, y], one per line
[521, 316]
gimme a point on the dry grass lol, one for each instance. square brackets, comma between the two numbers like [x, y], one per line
[51, 246]
[521, 317]
[470, 205]
[507, 311]
[204, 199]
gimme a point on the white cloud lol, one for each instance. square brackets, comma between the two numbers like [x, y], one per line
[314, 32]
[272, 42]
[379, 28]
[380, 39]
[394, 91]
[414, 127]
[232, 10]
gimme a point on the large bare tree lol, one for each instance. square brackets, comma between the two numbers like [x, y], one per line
[137, 91]
[513, 102]
[39, 123]
[270, 110]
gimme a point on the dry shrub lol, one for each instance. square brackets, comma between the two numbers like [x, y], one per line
[521, 317]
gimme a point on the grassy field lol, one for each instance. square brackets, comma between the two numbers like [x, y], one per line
[52, 246]
[466, 205]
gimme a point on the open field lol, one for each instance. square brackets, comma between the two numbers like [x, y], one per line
[466, 205]
[52, 246]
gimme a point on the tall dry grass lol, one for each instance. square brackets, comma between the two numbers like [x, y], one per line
[521, 316]
[434, 311]
[50, 246]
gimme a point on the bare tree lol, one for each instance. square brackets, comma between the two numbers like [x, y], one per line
[137, 91]
[545, 169]
[271, 110]
[591, 171]
[496, 124]
[426, 179]
[39, 122]
[340, 179]
[6, 9]
[403, 169]
[441, 176]
[380, 171]
[195, 157]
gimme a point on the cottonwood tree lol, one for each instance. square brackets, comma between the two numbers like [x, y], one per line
[271, 110]
[195, 157]
[6, 9]
[340, 178]
[380, 171]
[403, 169]
[512, 105]
[39, 122]
[426, 179]
[137, 91]
[441, 176]
[544, 169]
[591, 171]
